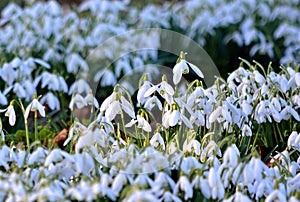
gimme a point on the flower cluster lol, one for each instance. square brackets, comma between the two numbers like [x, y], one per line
[64, 47]
[133, 175]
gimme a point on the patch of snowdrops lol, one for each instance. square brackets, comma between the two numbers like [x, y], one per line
[42, 37]
[179, 158]
[203, 143]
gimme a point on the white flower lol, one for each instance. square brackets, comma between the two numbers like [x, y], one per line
[214, 181]
[246, 131]
[168, 197]
[3, 99]
[75, 62]
[183, 184]
[119, 181]
[79, 101]
[142, 123]
[287, 111]
[157, 140]
[141, 195]
[192, 146]
[143, 180]
[163, 180]
[38, 156]
[294, 140]
[10, 112]
[173, 117]
[151, 102]
[276, 194]
[231, 156]
[80, 86]
[51, 100]
[19, 90]
[113, 105]
[183, 68]
[190, 163]
[35, 105]
[200, 183]
[142, 90]
[164, 89]
[237, 197]
[8, 74]
[91, 100]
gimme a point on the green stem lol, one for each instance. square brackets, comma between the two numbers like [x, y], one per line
[26, 131]
[25, 122]
[35, 126]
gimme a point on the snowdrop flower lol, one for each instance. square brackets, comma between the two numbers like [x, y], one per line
[91, 100]
[237, 197]
[190, 163]
[157, 140]
[164, 89]
[276, 194]
[35, 105]
[183, 184]
[173, 117]
[77, 100]
[215, 184]
[8, 74]
[141, 195]
[74, 61]
[3, 99]
[163, 180]
[168, 197]
[51, 100]
[38, 156]
[108, 78]
[259, 168]
[151, 102]
[143, 180]
[221, 113]
[246, 130]
[282, 157]
[52, 81]
[182, 67]
[10, 112]
[143, 89]
[200, 183]
[119, 181]
[80, 86]
[231, 156]
[142, 123]
[265, 186]
[192, 146]
[114, 104]
[294, 140]
[84, 163]
[19, 90]
[288, 111]
[198, 118]
[212, 149]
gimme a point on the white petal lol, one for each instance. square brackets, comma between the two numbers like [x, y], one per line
[41, 109]
[127, 107]
[174, 118]
[196, 70]
[167, 88]
[113, 110]
[12, 117]
[131, 123]
[27, 111]
[106, 103]
[150, 91]
[177, 77]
